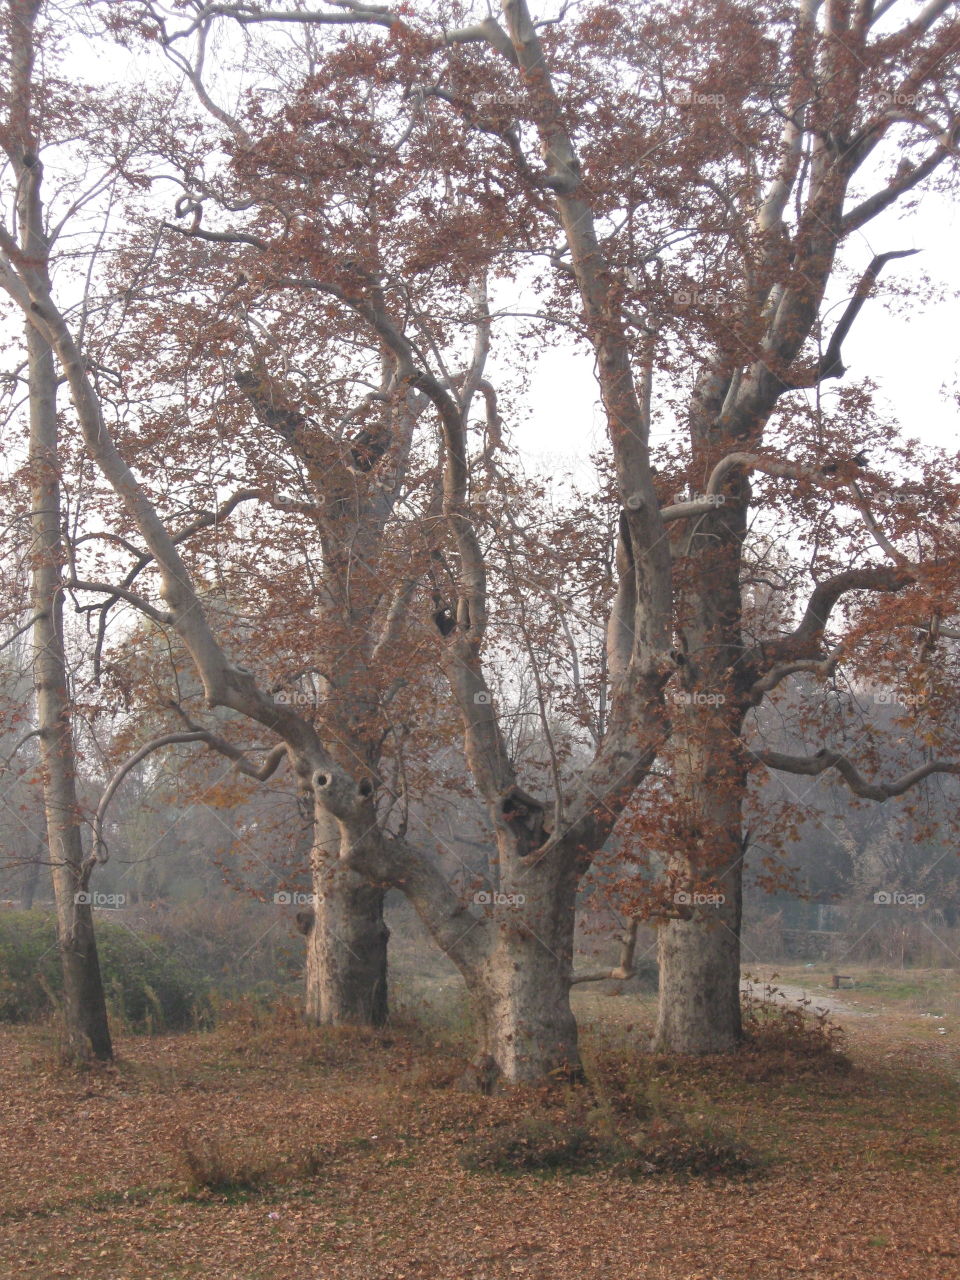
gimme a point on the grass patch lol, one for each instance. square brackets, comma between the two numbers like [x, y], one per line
[619, 1123]
[219, 1164]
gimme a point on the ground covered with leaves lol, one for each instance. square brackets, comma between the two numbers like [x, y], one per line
[264, 1150]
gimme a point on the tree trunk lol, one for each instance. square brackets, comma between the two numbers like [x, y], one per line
[699, 952]
[31, 877]
[520, 993]
[699, 1010]
[346, 978]
[84, 1008]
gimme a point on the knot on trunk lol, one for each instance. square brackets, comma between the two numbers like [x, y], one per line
[304, 920]
[525, 813]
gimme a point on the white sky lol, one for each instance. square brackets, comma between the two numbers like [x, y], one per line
[915, 358]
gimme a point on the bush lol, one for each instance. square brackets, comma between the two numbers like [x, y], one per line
[146, 986]
[688, 1152]
[230, 944]
[789, 1040]
[29, 965]
[621, 1089]
[220, 1164]
[533, 1144]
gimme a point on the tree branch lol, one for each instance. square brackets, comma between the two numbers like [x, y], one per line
[822, 669]
[826, 595]
[33, 733]
[121, 593]
[911, 177]
[812, 766]
[830, 364]
[19, 632]
[193, 734]
[625, 967]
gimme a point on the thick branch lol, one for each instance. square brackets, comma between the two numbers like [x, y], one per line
[830, 364]
[649, 550]
[224, 684]
[826, 595]
[463, 935]
[169, 739]
[812, 766]
[121, 593]
[911, 176]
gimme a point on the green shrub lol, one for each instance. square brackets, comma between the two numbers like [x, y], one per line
[29, 965]
[147, 987]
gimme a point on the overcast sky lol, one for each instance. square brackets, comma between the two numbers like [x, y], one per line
[914, 359]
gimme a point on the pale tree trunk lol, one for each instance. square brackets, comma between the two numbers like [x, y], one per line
[699, 954]
[84, 1010]
[347, 936]
[699, 949]
[514, 948]
[520, 992]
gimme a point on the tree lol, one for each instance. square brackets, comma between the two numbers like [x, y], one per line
[401, 212]
[84, 1009]
[772, 119]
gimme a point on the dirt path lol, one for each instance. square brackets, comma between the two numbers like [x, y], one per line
[786, 993]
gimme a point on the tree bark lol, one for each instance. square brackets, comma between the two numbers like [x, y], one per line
[699, 957]
[699, 947]
[520, 992]
[699, 950]
[347, 936]
[87, 1033]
